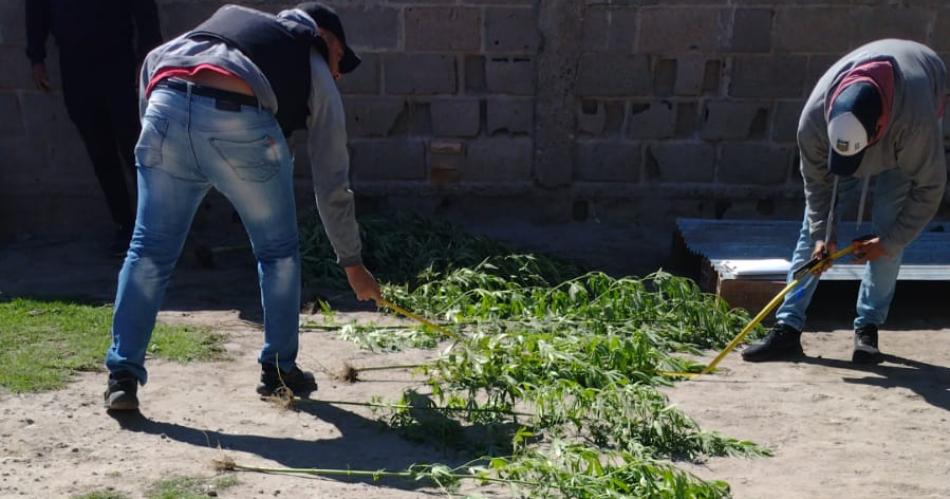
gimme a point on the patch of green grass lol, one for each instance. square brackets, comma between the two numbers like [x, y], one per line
[189, 487]
[102, 494]
[42, 343]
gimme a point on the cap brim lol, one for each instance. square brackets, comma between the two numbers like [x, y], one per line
[350, 60]
[844, 165]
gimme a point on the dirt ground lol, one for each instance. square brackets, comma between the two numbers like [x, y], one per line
[837, 430]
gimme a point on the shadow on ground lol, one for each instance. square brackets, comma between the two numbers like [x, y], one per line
[931, 382]
[363, 444]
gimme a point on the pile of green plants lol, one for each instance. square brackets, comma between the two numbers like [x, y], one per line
[565, 365]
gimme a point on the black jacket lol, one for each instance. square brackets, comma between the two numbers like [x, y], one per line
[123, 31]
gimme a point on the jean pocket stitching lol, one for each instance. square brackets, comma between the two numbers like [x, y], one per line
[254, 168]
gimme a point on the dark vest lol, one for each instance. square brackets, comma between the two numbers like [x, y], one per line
[280, 50]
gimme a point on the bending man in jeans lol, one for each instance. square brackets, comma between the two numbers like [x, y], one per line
[217, 103]
[876, 113]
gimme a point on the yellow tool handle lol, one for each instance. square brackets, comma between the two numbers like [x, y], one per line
[760, 317]
[418, 318]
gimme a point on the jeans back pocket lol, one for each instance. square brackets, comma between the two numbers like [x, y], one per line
[253, 161]
[148, 149]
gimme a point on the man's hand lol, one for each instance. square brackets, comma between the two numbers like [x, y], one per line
[41, 77]
[363, 283]
[822, 251]
[868, 251]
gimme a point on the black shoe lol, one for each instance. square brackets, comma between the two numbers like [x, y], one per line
[120, 394]
[299, 382]
[865, 346]
[120, 242]
[782, 342]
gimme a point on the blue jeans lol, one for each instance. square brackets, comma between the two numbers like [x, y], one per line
[880, 276]
[186, 147]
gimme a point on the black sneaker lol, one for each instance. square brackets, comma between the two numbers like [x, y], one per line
[783, 342]
[120, 394]
[300, 382]
[865, 346]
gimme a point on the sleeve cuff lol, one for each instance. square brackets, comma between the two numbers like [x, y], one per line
[350, 260]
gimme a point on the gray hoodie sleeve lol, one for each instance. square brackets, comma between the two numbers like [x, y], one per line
[921, 157]
[330, 164]
[812, 146]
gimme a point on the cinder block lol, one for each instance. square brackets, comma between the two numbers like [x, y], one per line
[785, 121]
[11, 120]
[595, 28]
[752, 30]
[608, 73]
[652, 120]
[370, 26]
[681, 162]
[455, 117]
[591, 117]
[420, 74]
[17, 73]
[475, 74]
[499, 160]
[512, 116]
[180, 16]
[603, 161]
[767, 76]
[675, 29]
[12, 25]
[443, 28]
[941, 38]
[447, 147]
[515, 76]
[905, 21]
[511, 30]
[373, 116]
[690, 74]
[817, 65]
[623, 28]
[730, 120]
[827, 29]
[754, 164]
[664, 77]
[379, 160]
[687, 117]
[365, 79]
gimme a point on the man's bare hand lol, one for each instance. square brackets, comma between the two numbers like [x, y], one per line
[868, 251]
[363, 283]
[41, 77]
[822, 251]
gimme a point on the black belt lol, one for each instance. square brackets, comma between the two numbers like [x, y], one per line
[225, 100]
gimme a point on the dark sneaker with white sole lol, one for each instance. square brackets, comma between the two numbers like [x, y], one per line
[121, 392]
[300, 382]
[782, 343]
[865, 346]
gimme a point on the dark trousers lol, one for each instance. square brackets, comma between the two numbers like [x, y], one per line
[102, 102]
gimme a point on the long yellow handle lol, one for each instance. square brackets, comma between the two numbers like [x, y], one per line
[759, 317]
[418, 318]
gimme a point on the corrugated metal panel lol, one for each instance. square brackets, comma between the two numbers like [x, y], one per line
[926, 259]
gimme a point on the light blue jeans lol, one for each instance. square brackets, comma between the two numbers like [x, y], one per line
[186, 147]
[880, 276]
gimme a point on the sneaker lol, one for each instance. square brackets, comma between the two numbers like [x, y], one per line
[865, 346]
[120, 394]
[300, 382]
[782, 342]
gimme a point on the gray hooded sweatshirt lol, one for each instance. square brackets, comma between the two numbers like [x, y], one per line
[326, 125]
[913, 140]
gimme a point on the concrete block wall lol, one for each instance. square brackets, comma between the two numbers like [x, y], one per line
[627, 111]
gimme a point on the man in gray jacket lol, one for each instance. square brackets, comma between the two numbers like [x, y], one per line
[217, 103]
[877, 113]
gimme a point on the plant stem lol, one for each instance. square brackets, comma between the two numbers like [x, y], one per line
[405, 406]
[387, 368]
[374, 474]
